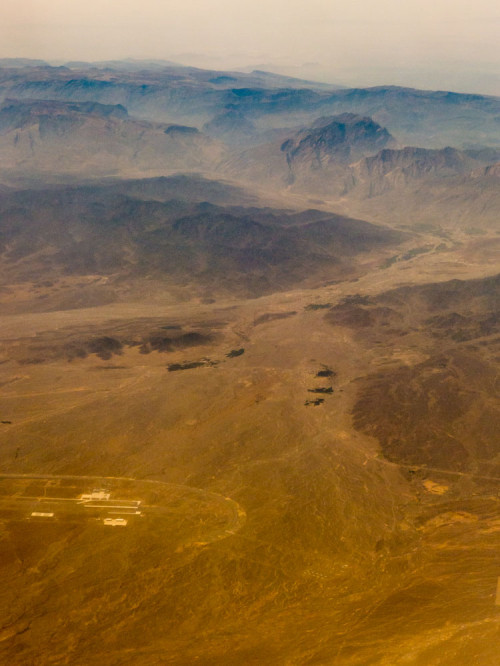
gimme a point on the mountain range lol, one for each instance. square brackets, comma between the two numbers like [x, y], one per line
[191, 96]
[249, 363]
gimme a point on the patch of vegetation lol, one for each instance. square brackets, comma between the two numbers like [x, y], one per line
[104, 347]
[355, 299]
[318, 306]
[162, 343]
[235, 352]
[415, 252]
[321, 389]
[270, 316]
[390, 261]
[188, 365]
[326, 372]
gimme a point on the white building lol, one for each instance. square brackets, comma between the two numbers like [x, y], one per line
[115, 522]
[96, 494]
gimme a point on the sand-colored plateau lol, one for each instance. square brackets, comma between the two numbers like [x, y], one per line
[357, 547]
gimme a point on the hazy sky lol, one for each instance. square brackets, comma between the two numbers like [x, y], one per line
[438, 40]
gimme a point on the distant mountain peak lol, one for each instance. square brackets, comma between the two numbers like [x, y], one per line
[342, 138]
[230, 125]
[16, 113]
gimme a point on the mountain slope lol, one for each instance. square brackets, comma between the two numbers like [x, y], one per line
[396, 185]
[128, 234]
[443, 411]
[89, 139]
[342, 138]
[192, 96]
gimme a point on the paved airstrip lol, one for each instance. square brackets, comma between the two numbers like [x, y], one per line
[116, 502]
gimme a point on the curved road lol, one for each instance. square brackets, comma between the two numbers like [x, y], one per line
[237, 513]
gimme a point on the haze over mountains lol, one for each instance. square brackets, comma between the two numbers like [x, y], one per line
[175, 94]
[256, 320]
[56, 122]
[95, 139]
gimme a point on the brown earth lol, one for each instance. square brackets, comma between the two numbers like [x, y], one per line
[347, 555]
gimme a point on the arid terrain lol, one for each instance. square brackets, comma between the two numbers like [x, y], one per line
[297, 379]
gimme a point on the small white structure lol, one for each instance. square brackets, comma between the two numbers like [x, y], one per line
[96, 494]
[41, 514]
[115, 522]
